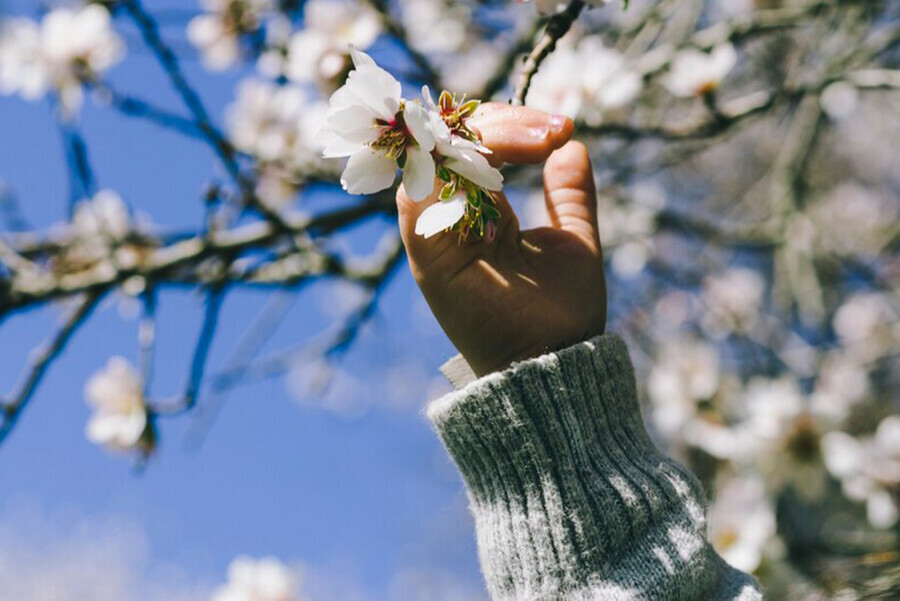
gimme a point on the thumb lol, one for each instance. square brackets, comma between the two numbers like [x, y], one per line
[570, 194]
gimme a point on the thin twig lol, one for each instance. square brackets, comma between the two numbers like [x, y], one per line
[13, 407]
[558, 25]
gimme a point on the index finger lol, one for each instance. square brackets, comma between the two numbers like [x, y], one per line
[518, 134]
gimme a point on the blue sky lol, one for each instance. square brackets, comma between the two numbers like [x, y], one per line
[368, 501]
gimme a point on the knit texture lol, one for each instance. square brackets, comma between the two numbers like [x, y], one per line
[571, 499]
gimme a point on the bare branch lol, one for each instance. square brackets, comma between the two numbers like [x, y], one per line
[16, 402]
[558, 25]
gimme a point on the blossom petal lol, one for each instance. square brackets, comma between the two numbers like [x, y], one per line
[418, 173]
[440, 216]
[474, 167]
[371, 86]
[360, 58]
[417, 120]
[117, 429]
[368, 172]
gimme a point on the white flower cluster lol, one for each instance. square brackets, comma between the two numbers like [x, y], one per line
[265, 579]
[695, 73]
[369, 122]
[218, 31]
[277, 125]
[770, 426]
[563, 85]
[319, 53]
[868, 469]
[68, 48]
[120, 418]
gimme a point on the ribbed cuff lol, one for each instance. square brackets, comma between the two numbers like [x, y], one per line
[571, 498]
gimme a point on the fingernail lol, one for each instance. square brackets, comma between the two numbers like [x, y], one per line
[539, 133]
[557, 123]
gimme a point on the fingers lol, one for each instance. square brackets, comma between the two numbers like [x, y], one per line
[570, 193]
[518, 134]
[433, 260]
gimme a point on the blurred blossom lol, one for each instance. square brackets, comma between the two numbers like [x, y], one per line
[741, 521]
[104, 215]
[839, 100]
[440, 26]
[694, 73]
[217, 32]
[116, 395]
[265, 579]
[96, 234]
[685, 373]
[733, 300]
[841, 383]
[320, 52]
[762, 423]
[69, 47]
[467, 71]
[563, 84]
[627, 229]
[868, 469]
[771, 405]
[853, 220]
[867, 325]
[278, 125]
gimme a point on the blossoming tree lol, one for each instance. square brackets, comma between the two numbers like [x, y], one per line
[747, 177]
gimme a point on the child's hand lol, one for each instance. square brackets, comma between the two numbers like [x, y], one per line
[531, 291]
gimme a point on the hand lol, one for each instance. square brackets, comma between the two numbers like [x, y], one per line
[528, 292]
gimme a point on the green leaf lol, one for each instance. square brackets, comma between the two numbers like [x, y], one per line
[490, 211]
[443, 174]
[401, 159]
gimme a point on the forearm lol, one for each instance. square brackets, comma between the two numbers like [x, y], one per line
[571, 498]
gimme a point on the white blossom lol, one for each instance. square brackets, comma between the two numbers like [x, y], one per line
[853, 220]
[272, 122]
[69, 47]
[868, 469]
[440, 26]
[685, 373]
[764, 416]
[104, 215]
[217, 32]
[265, 579]
[626, 230]
[694, 73]
[732, 299]
[458, 154]
[369, 122]
[320, 51]
[120, 414]
[564, 86]
[841, 384]
[867, 325]
[741, 521]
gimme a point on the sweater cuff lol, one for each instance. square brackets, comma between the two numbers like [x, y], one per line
[570, 496]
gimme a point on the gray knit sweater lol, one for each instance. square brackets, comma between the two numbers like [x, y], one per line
[572, 501]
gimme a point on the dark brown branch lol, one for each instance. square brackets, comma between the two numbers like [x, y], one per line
[558, 25]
